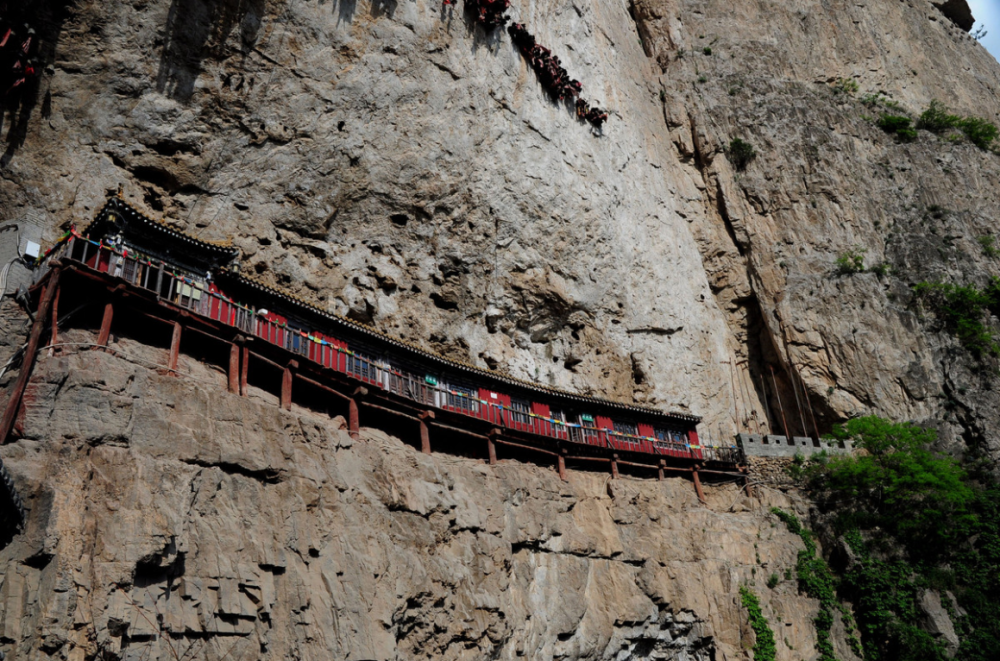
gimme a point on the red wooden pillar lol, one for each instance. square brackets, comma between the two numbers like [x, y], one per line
[562, 468]
[175, 348]
[697, 485]
[425, 436]
[286, 385]
[55, 321]
[614, 466]
[491, 446]
[244, 367]
[105, 333]
[14, 401]
[353, 420]
[353, 424]
[234, 368]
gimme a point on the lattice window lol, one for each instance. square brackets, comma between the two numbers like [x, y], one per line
[463, 398]
[519, 411]
[629, 429]
[361, 366]
[588, 431]
[670, 438]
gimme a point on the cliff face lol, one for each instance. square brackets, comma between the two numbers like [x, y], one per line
[826, 181]
[393, 162]
[171, 518]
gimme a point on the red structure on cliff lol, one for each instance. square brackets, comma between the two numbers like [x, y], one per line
[135, 269]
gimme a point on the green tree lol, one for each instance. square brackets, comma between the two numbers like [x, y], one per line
[900, 483]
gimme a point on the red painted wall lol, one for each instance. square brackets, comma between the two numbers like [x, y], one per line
[541, 426]
[646, 431]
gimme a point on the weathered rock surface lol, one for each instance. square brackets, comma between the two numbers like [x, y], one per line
[394, 162]
[938, 621]
[169, 517]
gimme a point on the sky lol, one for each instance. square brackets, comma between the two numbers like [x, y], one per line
[987, 13]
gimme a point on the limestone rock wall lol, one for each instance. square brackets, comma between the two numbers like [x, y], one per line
[390, 160]
[169, 517]
[827, 180]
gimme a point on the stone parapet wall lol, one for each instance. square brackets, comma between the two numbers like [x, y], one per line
[755, 445]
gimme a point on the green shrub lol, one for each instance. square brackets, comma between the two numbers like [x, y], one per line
[741, 153]
[852, 261]
[988, 243]
[847, 86]
[979, 132]
[764, 649]
[882, 269]
[872, 100]
[963, 309]
[936, 118]
[702, 79]
[707, 50]
[898, 125]
[773, 580]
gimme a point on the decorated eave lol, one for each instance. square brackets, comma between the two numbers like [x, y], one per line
[129, 214]
[501, 377]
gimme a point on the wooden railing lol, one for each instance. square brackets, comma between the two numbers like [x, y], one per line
[198, 297]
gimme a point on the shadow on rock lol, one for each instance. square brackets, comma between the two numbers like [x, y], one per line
[382, 8]
[346, 9]
[199, 29]
[46, 18]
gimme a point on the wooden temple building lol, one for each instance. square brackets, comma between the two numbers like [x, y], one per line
[158, 285]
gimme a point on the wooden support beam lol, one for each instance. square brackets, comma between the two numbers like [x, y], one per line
[234, 369]
[54, 339]
[175, 348]
[353, 422]
[697, 485]
[562, 468]
[336, 393]
[28, 362]
[244, 367]
[659, 471]
[575, 458]
[459, 430]
[156, 317]
[517, 445]
[425, 434]
[622, 462]
[712, 472]
[386, 409]
[266, 360]
[491, 446]
[425, 437]
[286, 387]
[105, 334]
[614, 467]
